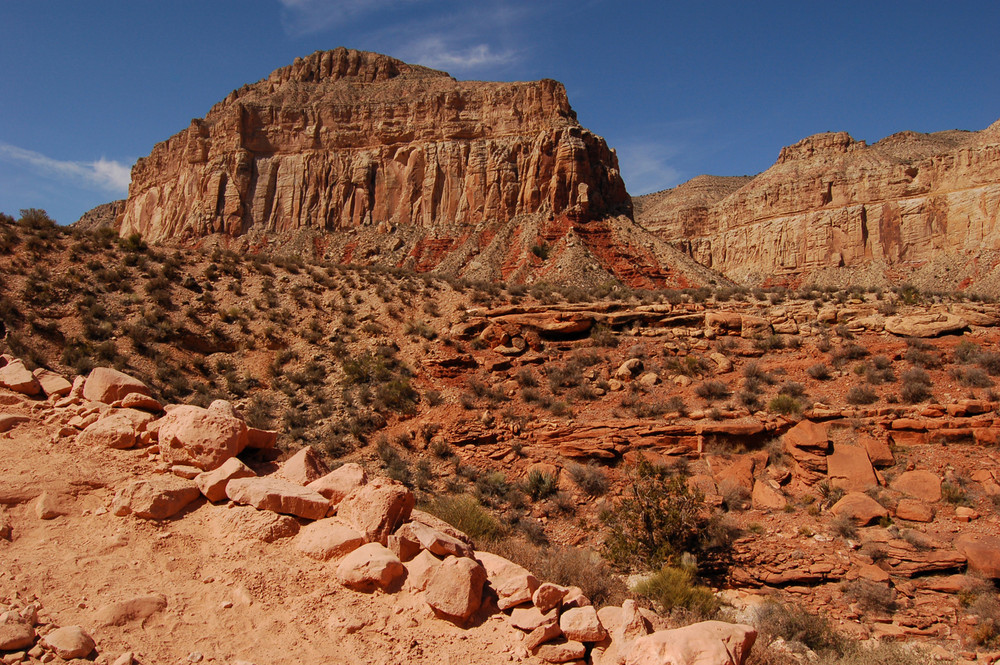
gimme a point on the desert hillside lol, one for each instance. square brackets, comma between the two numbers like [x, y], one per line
[819, 464]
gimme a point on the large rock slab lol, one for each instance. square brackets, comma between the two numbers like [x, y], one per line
[434, 541]
[16, 635]
[136, 608]
[370, 567]
[213, 483]
[15, 376]
[850, 469]
[455, 588]
[303, 467]
[705, 643]
[277, 495]
[108, 385]
[328, 539]
[925, 325]
[340, 482]
[204, 438]
[860, 508]
[513, 584]
[920, 484]
[112, 431]
[154, 499]
[982, 553]
[377, 509]
[52, 383]
[582, 624]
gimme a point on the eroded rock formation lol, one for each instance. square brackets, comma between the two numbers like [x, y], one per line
[832, 201]
[395, 164]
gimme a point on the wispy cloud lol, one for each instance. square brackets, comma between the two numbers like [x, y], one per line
[307, 17]
[105, 174]
[437, 53]
[646, 166]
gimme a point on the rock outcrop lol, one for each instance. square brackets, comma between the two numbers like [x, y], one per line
[396, 164]
[831, 201]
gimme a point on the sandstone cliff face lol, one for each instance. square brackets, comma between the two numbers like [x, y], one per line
[832, 201]
[393, 163]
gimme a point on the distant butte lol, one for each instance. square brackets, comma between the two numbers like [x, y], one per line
[365, 159]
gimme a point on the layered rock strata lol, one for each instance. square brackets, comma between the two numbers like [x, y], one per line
[394, 164]
[831, 201]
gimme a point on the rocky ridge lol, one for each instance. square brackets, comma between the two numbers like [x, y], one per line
[833, 202]
[366, 159]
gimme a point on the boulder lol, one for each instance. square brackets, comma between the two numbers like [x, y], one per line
[765, 497]
[155, 499]
[920, 484]
[982, 553]
[113, 431]
[878, 450]
[530, 618]
[108, 385]
[582, 624]
[513, 584]
[8, 420]
[455, 588]
[328, 539]
[279, 496]
[52, 383]
[628, 369]
[724, 322]
[370, 567]
[16, 635]
[377, 509]
[561, 652]
[752, 327]
[419, 570]
[705, 643]
[541, 635]
[199, 437]
[340, 482]
[808, 443]
[303, 467]
[434, 541]
[438, 524]
[141, 402]
[47, 507]
[925, 325]
[914, 510]
[213, 483]
[69, 642]
[133, 609]
[860, 508]
[15, 376]
[548, 596]
[849, 468]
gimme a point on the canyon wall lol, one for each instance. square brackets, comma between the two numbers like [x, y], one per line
[831, 201]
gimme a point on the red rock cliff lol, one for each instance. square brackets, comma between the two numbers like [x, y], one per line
[347, 140]
[832, 201]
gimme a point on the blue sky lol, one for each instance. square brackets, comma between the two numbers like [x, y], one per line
[678, 88]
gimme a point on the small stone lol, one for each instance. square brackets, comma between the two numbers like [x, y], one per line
[70, 642]
[47, 507]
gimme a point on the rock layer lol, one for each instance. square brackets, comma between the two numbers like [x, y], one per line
[831, 201]
[394, 164]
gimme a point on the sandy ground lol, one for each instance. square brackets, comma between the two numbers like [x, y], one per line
[230, 596]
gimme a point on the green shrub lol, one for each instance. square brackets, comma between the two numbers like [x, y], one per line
[465, 513]
[785, 405]
[540, 485]
[674, 588]
[659, 518]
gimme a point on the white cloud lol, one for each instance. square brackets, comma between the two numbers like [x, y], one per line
[646, 168]
[435, 52]
[306, 17]
[104, 174]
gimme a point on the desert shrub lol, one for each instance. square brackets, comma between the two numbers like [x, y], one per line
[658, 518]
[539, 485]
[792, 389]
[784, 404]
[955, 492]
[673, 588]
[916, 386]
[861, 395]
[754, 372]
[794, 624]
[843, 526]
[526, 378]
[465, 513]
[734, 495]
[590, 478]
[819, 371]
[847, 352]
[975, 377]
[989, 361]
[712, 390]
[870, 596]
[750, 399]
[602, 335]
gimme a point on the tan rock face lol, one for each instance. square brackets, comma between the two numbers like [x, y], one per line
[396, 164]
[832, 201]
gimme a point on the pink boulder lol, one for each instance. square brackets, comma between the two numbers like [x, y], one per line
[198, 437]
[370, 567]
[15, 376]
[114, 431]
[303, 467]
[277, 495]
[213, 483]
[455, 588]
[705, 643]
[340, 482]
[156, 499]
[328, 539]
[109, 385]
[377, 509]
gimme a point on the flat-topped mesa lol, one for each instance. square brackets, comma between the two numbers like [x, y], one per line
[349, 141]
[910, 201]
